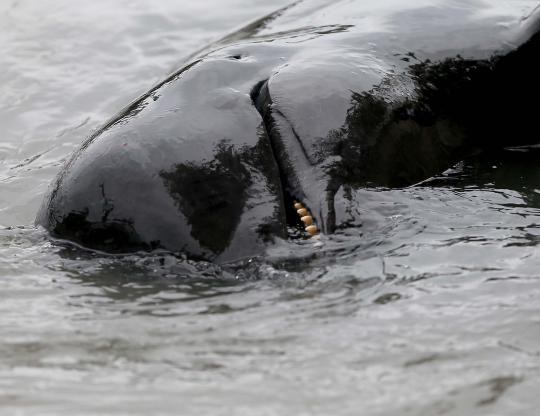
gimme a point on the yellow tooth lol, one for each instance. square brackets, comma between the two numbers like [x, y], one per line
[302, 212]
[312, 229]
[308, 220]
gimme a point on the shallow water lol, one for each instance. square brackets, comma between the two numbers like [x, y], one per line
[431, 307]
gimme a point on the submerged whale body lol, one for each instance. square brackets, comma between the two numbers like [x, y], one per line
[309, 103]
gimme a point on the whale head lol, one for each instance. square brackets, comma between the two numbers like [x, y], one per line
[210, 161]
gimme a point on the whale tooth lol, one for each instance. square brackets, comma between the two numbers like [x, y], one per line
[312, 230]
[302, 212]
[308, 220]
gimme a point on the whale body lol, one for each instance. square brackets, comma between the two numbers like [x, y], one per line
[308, 104]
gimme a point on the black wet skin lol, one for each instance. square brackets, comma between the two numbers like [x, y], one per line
[318, 98]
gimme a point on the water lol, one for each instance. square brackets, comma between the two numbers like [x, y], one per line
[432, 307]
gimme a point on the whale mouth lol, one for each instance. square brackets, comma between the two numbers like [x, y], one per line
[292, 191]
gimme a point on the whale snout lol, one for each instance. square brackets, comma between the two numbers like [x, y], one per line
[187, 168]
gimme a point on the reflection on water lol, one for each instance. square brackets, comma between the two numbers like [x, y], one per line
[429, 306]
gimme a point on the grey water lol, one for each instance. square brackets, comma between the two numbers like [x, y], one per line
[432, 307]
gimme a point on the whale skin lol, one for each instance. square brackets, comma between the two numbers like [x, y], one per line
[309, 103]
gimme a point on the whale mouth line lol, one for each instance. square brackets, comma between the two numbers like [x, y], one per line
[290, 192]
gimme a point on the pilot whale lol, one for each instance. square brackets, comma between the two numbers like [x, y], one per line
[307, 104]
